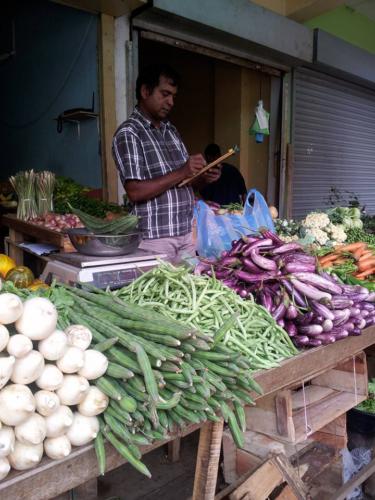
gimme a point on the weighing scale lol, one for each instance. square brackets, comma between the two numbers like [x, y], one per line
[102, 272]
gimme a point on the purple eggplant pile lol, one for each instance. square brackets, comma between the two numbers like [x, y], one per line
[312, 306]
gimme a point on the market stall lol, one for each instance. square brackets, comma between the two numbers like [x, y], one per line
[272, 319]
[81, 466]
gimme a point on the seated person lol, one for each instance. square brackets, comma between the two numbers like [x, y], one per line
[230, 187]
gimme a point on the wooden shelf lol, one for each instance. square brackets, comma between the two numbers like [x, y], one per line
[77, 116]
[294, 414]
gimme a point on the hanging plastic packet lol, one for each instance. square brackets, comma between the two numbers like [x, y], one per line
[260, 126]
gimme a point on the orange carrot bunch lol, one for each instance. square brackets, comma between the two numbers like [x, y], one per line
[358, 253]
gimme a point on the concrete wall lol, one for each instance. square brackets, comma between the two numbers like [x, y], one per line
[349, 25]
[55, 68]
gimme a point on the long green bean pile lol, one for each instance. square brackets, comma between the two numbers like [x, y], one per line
[162, 374]
[205, 303]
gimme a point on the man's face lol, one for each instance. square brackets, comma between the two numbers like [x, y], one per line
[160, 101]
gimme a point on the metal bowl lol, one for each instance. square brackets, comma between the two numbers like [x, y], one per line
[101, 245]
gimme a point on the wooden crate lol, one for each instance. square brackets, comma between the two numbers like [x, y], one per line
[295, 413]
[322, 448]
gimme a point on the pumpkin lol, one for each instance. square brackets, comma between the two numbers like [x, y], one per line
[6, 264]
[37, 284]
[20, 276]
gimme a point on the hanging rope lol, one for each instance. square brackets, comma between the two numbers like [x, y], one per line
[308, 430]
[355, 382]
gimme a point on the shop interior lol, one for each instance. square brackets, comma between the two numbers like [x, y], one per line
[216, 103]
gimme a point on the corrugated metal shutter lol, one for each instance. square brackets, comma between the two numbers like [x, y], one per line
[334, 141]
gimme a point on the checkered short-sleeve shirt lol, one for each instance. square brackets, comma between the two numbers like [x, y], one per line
[142, 152]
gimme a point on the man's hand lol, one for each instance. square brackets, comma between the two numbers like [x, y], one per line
[212, 175]
[194, 165]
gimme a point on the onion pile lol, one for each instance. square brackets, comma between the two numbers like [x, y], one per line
[57, 222]
[312, 306]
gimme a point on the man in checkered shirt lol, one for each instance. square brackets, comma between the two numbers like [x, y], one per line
[152, 160]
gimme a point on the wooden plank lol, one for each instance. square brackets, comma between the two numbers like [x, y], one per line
[312, 362]
[336, 427]
[350, 376]
[14, 251]
[40, 233]
[342, 381]
[361, 364]
[229, 458]
[322, 413]
[313, 393]
[53, 477]
[286, 494]
[108, 105]
[284, 417]
[259, 420]
[292, 478]
[174, 450]
[226, 492]
[208, 461]
[246, 461]
[260, 484]
[334, 441]
[358, 479]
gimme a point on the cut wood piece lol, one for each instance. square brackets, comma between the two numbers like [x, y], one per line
[268, 476]
[260, 484]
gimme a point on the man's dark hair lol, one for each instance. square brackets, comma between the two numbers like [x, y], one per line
[150, 76]
[212, 150]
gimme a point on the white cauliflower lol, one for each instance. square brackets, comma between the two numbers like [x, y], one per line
[316, 220]
[288, 239]
[338, 233]
[320, 236]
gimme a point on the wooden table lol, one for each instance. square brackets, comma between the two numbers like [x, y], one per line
[21, 231]
[51, 478]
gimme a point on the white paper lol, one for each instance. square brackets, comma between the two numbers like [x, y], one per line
[39, 248]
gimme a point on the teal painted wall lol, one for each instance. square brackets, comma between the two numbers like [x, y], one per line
[55, 68]
[349, 25]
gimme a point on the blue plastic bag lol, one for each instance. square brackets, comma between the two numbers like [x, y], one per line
[256, 211]
[215, 233]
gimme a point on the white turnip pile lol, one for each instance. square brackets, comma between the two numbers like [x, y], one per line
[47, 404]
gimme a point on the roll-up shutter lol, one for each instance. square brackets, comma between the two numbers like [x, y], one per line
[334, 141]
